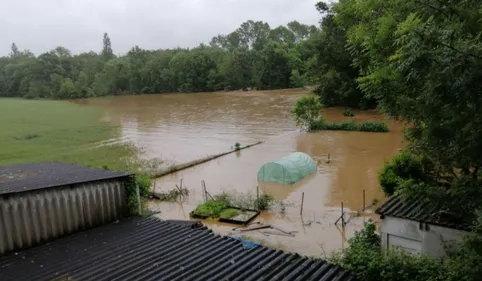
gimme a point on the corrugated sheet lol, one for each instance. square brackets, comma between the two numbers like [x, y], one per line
[26, 177]
[150, 249]
[29, 218]
[420, 211]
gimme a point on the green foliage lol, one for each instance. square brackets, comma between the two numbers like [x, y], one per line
[306, 111]
[228, 213]
[348, 113]
[237, 146]
[253, 56]
[422, 61]
[334, 72]
[264, 202]
[368, 262]
[212, 208]
[144, 182]
[368, 126]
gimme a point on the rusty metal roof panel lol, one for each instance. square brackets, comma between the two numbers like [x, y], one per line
[151, 249]
[28, 177]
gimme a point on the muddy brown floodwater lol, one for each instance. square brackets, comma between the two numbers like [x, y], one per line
[185, 127]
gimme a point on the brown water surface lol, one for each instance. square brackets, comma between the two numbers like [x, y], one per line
[186, 127]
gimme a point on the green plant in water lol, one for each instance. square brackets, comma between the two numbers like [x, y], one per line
[229, 213]
[306, 111]
[237, 146]
[369, 126]
[263, 202]
[212, 208]
[348, 113]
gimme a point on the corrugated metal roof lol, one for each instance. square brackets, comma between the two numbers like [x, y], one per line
[27, 177]
[420, 211]
[151, 249]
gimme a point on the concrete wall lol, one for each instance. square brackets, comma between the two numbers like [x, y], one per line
[418, 238]
[29, 218]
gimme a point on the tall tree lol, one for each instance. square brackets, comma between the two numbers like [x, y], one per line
[423, 61]
[14, 52]
[107, 52]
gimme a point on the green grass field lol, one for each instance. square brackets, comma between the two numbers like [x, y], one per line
[38, 131]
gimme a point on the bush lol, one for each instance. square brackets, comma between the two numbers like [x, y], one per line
[143, 181]
[365, 259]
[306, 111]
[373, 127]
[263, 203]
[404, 167]
[320, 124]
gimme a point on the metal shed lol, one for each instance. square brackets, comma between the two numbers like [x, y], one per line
[42, 201]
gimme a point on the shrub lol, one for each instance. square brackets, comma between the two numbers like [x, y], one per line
[403, 167]
[365, 259]
[263, 203]
[373, 127]
[237, 146]
[341, 126]
[320, 124]
[143, 181]
[306, 111]
[348, 113]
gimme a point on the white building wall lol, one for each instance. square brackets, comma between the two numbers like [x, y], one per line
[414, 237]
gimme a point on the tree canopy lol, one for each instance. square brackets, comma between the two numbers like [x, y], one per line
[253, 56]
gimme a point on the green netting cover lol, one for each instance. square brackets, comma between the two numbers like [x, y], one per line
[288, 170]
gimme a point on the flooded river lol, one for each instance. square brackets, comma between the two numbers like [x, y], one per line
[185, 127]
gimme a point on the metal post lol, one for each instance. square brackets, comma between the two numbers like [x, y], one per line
[257, 197]
[363, 200]
[342, 216]
[302, 201]
[138, 195]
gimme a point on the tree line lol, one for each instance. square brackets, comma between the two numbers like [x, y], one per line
[253, 56]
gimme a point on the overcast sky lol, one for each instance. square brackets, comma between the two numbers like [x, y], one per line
[41, 25]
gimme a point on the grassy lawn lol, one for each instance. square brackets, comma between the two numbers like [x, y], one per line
[37, 131]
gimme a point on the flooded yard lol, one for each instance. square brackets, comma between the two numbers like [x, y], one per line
[185, 127]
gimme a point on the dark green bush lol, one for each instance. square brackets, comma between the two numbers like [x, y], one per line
[320, 124]
[370, 126]
[365, 259]
[144, 182]
[403, 167]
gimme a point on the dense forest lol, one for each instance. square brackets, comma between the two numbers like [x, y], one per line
[254, 56]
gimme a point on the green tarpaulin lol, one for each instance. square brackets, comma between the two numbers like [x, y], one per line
[288, 170]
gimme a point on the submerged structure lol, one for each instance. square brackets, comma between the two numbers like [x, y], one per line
[288, 170]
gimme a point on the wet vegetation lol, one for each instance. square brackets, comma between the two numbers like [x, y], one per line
[368, 126]
[420, 61]
[307, 115]
[212, 208]
[219, 205]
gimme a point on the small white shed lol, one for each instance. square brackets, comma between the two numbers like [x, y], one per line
[417, 228]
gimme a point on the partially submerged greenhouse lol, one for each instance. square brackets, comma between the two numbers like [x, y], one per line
[288, 170]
